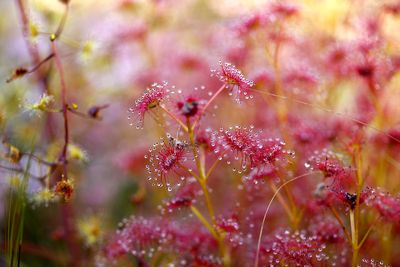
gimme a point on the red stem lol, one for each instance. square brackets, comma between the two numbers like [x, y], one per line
[36, 61]
[33, 51]
[208, 104]
[68, 216]
[63, 155]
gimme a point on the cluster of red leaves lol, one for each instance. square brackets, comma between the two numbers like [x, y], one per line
[293, 249]
[248, 146]
[144, 237]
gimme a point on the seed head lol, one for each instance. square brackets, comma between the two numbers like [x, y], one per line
[18, 73]
[64, 189]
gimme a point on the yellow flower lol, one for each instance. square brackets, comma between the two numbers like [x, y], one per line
[42, 105]
[43, 102]
[34, 31]
[87, 49]
[44, 196]
[77, 153]
[90, 230]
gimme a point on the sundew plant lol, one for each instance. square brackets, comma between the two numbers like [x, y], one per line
[199, 133]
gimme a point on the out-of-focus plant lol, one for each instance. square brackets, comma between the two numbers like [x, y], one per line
[300, 169]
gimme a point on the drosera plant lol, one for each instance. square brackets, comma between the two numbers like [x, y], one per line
[259, 156]
[298, 170]
[172, 156]
[314, 169]
[245, 146]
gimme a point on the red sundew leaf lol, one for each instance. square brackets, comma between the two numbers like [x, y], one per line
[229, 224]
[235, 81]
[150, 99]
[166, 159]
[260, 173]
[144, 237]
[332, 168]
[387, 205]
[184, 196]
[326, 230]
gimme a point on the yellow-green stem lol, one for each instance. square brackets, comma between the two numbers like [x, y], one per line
[281, 201]
[202, 179]
[355, 213]
[175, 118]
[340, 221]
[204, 221]
[208, 201]
[354, 239]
